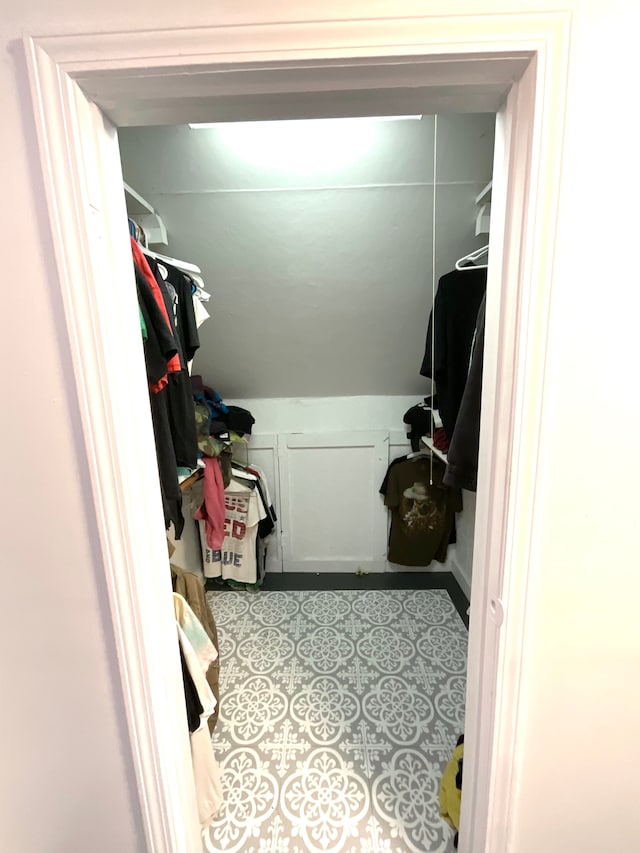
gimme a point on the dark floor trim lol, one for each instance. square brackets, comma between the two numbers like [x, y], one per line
[457, 596]
[375, 580]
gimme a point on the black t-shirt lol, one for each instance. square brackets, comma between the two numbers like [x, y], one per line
[180, 405]
[160, 345]
[185, 317]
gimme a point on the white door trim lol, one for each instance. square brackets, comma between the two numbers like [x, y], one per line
[524, 205]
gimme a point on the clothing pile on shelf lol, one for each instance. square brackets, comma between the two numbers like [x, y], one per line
[422, 510]
[236, 517]
[424, 420]
[167, 305]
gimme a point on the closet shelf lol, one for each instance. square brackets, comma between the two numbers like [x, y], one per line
[135, 202]
[146, 216]
[483, 217]
[484, 197]
[428, 442]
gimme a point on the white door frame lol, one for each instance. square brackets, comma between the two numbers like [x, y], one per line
[470, 60]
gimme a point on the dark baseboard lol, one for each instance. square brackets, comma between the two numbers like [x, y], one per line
[376, 580]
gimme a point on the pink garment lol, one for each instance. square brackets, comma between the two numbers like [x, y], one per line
[212, 511]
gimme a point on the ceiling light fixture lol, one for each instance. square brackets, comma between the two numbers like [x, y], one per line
[207, 125]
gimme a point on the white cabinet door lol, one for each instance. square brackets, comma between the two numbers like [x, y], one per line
[333, 518]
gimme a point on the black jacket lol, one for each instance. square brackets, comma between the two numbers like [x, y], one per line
[462, 467]
[451, 328]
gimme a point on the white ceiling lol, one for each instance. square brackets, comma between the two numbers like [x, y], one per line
[303, 89]
[316, 243]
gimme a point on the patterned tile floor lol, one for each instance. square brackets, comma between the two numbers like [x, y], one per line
[338, 713]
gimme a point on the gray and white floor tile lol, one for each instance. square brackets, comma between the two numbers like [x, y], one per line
[339, 711]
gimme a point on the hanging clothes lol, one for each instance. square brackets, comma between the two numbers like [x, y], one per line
[212, 511]
[206, 772]
[200, 641]
[181, 405]
[190, 587]
[166, 351]
[267, 525]
[236, 560]
[422, 511]
[192, 699]
[199, 311]
[141, 262]
[462, 458]
[186, 322]
[159, 347]
[392, 464]
[176, 288]
[450, 333]
[167, 467]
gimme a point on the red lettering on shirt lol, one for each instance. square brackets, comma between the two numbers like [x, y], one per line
[238, 530]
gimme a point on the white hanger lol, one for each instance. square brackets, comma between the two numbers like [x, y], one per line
[237, 469]
[201, 293]
[468, 262]
[182, 265]
[243, 475]
[419, 454]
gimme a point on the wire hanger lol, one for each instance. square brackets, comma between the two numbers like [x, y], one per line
[469, 261]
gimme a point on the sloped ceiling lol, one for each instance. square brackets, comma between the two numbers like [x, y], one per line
[315, 240]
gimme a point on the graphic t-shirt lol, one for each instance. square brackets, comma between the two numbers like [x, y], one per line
[422, 512]
[236, 560]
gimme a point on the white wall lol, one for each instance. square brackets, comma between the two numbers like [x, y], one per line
[67, 781]
[316, 415]
[316, 241]
[460, 556]
[327, 414]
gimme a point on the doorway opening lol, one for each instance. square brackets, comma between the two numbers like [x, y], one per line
[80, 159]
[316, 242]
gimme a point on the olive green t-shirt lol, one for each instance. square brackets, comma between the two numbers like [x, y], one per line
[422, 511]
